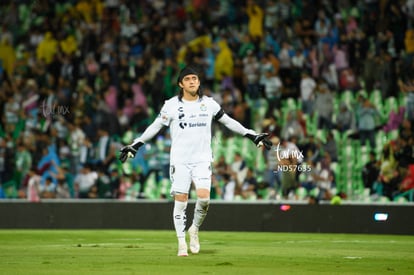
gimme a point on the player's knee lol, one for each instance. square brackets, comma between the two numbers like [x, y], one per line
[181, 197]
[203, 193]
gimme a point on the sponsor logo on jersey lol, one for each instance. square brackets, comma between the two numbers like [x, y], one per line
[192, 125]
[198, 124]
[203, 115]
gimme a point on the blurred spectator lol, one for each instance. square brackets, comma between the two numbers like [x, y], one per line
[386, 75]
[370, 172]
[47, 48]
[105, 149]
[76, 140]
[324, 106]
[348, 80]
[395, 119]
[252, 73]
[271, 16]
[249, 186]
[103, 184]
[330, 147]
[403, 152]
[322, 26]
[64, 184]
[298, 66]
[23, 162]
[292, 127]
[255, 23]
[288, 178]
[285, 59]
[62, 190]
[307, 92]
[324, 179]
[388, 174]
[7, 55]
[47, 190]
[407, 183]
[406, 129]
[272, 88]
[229, 188]
[125, 184]
[33, 185]
[221, 168]
[311, 148]
[345, 120]
[308, 176]
[239, 167]
[84, 181]
[370, 71]
[272, 176]
[224, 63]
[408, 88]
[367, 121]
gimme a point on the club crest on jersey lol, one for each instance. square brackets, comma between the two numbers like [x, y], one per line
[203, 107]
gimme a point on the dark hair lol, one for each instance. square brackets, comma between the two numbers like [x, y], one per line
[186, 71]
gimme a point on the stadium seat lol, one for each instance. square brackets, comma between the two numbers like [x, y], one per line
[375, 96]
[10, 189]
[383, 199]
[321, 135]
[165, 186]
[348, 97]
[393, 135]
[408, 195]
[400, 199]
[391, 104]
[291, 103]
[260, 162]
[301, 193]
[151, 190]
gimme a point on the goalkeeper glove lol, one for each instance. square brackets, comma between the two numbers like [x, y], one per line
[129, 151]
[260, 139]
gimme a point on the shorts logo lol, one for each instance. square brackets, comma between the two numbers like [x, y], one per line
[172, 169]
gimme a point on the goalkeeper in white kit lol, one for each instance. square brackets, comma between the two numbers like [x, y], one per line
[190, 115]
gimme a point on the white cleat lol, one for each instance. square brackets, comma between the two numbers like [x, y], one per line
[182, 250]
[194, 242]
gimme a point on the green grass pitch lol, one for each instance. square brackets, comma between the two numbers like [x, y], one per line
[154, 252]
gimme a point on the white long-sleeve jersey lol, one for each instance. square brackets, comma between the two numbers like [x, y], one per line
[190, 127]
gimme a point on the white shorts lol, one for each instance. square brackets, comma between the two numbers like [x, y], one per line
[182, 175]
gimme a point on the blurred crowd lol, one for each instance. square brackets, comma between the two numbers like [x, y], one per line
[81, 78]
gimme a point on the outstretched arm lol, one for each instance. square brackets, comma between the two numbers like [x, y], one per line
[235, 126]
[150, 132]
[129, 151]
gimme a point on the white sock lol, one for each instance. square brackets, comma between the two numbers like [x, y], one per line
[180, 218]
[200, 211]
